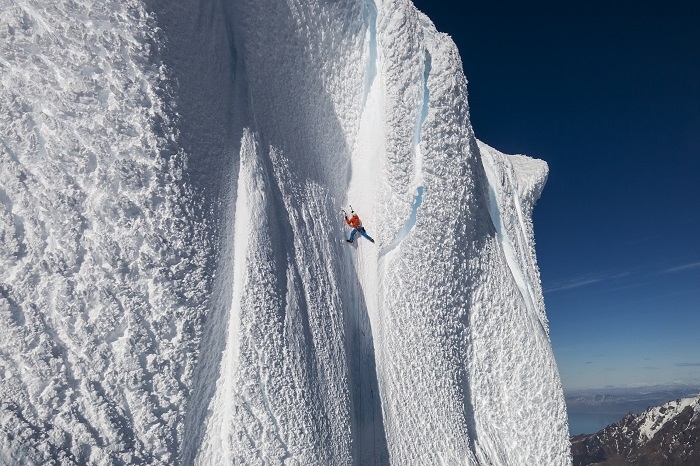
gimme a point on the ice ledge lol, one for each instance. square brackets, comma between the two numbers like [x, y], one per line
[530, 175]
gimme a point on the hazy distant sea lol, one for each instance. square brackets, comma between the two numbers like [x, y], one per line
[591, 410]
[590, 423]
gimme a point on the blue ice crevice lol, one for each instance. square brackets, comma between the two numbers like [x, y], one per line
[370, 13]
[418, 199]
[408, 225]
[411, 221]
[426, 96]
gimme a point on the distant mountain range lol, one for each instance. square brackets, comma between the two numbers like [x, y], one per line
[666, 435]
[625, 399]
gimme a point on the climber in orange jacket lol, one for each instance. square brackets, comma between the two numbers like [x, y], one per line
[356, 224]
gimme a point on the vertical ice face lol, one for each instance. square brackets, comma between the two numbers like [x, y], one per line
[430, 345]
[106, 240]
[175, 284]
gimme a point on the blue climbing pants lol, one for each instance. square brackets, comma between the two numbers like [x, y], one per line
[362, 232]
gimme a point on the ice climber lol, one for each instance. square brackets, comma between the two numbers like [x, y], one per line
[356, 225]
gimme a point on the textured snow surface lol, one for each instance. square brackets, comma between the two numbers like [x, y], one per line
[104, 248]
[174, 282]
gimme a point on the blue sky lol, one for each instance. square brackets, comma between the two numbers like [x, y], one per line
[610, 98]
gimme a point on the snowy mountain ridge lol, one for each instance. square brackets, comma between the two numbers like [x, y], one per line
[653, 419]
[175, 284]
[666, 434]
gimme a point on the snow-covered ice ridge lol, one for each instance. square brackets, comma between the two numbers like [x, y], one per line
[174, 283]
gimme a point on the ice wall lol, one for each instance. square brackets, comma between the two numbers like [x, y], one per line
[175, 286]
[113, 132]
[430, 345]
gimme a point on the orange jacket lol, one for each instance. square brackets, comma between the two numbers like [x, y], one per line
[353, 221]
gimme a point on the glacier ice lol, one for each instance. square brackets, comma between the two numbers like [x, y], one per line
[174, 283]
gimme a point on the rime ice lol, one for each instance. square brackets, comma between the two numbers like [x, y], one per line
[175, 285]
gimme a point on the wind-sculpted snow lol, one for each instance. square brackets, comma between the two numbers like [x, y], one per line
[104, 249]
[175, 285]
